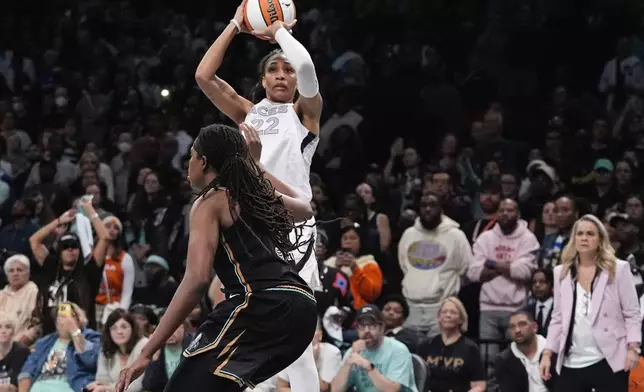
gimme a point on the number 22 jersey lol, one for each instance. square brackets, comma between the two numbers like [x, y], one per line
[287, 146]
[287, 152]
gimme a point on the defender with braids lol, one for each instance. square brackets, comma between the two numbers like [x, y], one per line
[286, 112]
[240, 222]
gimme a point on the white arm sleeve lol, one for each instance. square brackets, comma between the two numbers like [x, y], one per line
[128, 281]
[299, 57]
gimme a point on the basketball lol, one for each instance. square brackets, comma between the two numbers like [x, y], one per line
[259, 14]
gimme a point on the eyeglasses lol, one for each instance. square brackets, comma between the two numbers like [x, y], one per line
[362, 327]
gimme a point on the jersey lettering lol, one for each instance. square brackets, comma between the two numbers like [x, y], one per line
[268, 111]
[282, 135]
[57, 294]
[287, 151]
[270, 129]
[272, 11]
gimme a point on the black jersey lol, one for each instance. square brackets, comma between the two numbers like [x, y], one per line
[247, 261]
[264, 325]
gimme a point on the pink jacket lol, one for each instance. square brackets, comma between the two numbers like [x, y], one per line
[519, 249]
[616, 319]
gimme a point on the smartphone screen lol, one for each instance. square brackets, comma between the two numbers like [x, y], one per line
[65, 309]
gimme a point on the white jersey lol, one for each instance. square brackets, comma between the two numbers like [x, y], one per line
[287, 152]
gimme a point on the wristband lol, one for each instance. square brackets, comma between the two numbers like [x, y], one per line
[236, 24]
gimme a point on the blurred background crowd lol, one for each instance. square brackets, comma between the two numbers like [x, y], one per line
[514, 117]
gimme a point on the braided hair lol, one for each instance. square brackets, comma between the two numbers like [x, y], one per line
[261, 209]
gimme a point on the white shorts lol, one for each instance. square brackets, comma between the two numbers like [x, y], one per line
[310, 271]
[302, 375]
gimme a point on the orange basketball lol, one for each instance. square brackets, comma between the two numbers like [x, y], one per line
[259, 14]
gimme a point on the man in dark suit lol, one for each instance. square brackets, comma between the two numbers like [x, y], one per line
[540, 305]
[517, 367]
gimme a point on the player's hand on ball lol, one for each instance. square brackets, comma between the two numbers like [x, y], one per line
[252, 139]
[270, 31]
[239, 17]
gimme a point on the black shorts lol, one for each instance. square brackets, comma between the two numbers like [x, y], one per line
[250, 338]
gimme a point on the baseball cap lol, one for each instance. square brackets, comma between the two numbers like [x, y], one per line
[145, 311]
[616, 218]
[548, 170]
[604, 164]
[374, 168]
[70, 239]
[534, 164]
[158, 260]
[369, 312]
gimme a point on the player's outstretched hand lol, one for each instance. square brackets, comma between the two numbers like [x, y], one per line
[252, 139]
[270, 31]
[132, 372]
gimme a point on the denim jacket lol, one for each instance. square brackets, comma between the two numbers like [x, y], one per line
[81, 367]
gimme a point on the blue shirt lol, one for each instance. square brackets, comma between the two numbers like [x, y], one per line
[80, 368]
[53, 375]
[392, 359]
[172, 358]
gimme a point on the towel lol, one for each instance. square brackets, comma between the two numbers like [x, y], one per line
[83, 229]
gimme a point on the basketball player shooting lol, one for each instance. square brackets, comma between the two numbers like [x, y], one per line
[286, 115]
[241, 218]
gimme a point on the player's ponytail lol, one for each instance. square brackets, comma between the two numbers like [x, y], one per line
[257, 93]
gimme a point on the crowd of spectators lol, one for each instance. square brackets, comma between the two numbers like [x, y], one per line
[452, 164]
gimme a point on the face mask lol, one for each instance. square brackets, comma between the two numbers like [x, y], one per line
[60, 101]
[124, 147]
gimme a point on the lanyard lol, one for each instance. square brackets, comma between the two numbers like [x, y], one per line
[487, 227]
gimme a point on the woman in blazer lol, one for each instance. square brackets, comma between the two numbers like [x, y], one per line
[596, 323]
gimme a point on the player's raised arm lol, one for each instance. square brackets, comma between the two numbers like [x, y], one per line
[222, 95]
[310, 100]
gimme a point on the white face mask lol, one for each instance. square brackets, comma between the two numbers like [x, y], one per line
[124, 147]
[60, 101]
